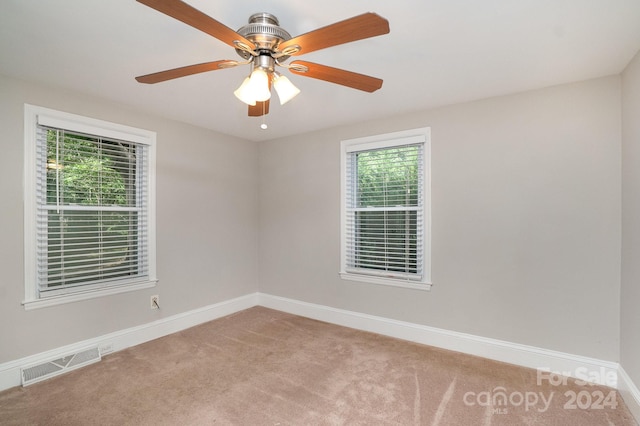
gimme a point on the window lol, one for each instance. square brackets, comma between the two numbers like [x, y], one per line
[89, 208]
[386, 209]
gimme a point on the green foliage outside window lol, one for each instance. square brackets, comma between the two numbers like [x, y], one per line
[387, 237]
[388, 177]
[89, 243]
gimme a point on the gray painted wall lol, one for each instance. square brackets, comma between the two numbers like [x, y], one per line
[207, 219]
[526, 220]
[630, 315]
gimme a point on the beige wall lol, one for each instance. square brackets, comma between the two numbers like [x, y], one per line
[526, 220]
[206, 219]
[630, 315]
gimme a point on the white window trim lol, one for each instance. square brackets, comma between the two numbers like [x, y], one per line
[384, 141]
[34, 115]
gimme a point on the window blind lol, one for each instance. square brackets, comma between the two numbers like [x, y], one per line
[92, 211]
[385, 212]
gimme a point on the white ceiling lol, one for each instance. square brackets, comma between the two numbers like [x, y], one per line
[438, 52]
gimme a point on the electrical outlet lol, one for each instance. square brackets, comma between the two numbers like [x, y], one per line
[155, 302]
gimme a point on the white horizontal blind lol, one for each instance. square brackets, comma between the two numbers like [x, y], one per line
[92, 211]
[385, 212]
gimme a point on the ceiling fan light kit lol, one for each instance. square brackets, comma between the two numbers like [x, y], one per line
[254, 88]
[264, 45]
[284, 88]
[244, 94]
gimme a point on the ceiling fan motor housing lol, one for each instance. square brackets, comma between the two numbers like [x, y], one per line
[265, 32]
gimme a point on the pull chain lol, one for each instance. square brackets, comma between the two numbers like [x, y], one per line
[264, 126]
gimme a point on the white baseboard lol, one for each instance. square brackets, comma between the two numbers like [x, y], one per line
[630, 392]
[595, 370]
[10, 371]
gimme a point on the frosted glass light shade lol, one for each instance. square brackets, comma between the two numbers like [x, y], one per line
[254, 88]
[244, 94]
[259, 85]
[285, 89]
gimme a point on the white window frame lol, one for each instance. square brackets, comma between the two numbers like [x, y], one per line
[36, 115]
[389, 140]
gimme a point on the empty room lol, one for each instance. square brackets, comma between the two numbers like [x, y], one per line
[301, 213]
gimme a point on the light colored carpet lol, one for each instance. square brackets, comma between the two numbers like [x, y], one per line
[264, 367]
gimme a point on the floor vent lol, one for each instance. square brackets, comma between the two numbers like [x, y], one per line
[48, 369]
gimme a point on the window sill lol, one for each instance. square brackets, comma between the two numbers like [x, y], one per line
[92, 294]
[385, 281]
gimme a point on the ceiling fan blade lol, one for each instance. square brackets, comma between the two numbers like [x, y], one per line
[192, 16]
[352, 29]
[336, 75]
[158, 77]
[259, 109]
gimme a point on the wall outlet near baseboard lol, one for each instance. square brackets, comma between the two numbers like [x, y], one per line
[155, 302]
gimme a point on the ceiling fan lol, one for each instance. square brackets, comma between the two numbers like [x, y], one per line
[264, 45]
